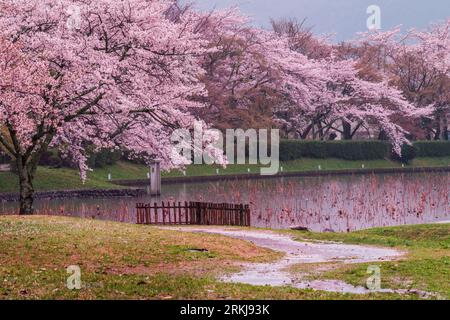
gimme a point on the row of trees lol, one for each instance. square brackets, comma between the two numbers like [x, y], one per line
[314, 89]
[384, 85]
[125, 74]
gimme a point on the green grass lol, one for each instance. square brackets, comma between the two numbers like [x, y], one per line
[116, 260]
[417, 236]
[122, 170]
[53, 179]
[123, 261]
[426, 266]
[309, 164]
[66, 179]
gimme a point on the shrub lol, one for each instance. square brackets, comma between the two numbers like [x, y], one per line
[100, 159]
[103, 158]
[348, 150]
[359, 150]
[51, 158]
[4, 158]
[432, 148]
[296, 149]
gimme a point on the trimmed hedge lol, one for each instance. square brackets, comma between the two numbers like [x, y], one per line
[347, 150]
[432, 148]
[100, 159]
[360, 150]
[103, 158]
[4, 158]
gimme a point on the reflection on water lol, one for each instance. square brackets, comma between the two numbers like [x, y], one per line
[339, 203]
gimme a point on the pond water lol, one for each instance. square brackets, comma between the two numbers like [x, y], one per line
[338, 203]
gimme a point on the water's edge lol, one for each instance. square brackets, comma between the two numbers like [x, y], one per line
[81, 194]
[137, 192]
[255, 176]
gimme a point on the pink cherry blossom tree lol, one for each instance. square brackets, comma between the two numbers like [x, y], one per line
[95, 72]
[309, 87]
[238, 76]
[325, 91]
[416, 63]
[22, 98]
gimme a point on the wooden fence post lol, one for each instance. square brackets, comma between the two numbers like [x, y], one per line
[247, 215]
[156, 213]
[163, 212]
[138, 213]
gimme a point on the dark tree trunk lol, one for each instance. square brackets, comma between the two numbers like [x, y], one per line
[383, 136]
[346, 130]
[444, 128]
[26, 196]
[27, 161]
[445, 135]
[437, 134]
[320, 130]
[26, 189]
[305, 133]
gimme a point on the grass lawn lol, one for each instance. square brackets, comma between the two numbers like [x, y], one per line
[308, 164]
[60, 179]
[130, 261]
[426, 267]
[54, 179]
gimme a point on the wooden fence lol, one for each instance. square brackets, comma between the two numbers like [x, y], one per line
[193, 213]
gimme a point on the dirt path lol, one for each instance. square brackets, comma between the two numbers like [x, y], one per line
[276, 274]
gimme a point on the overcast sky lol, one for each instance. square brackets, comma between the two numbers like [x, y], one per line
[341, 17]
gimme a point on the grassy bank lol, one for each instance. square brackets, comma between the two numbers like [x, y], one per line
[426, 265]
[60, 179]
[54, 179]
[131, 261]
[308, 164]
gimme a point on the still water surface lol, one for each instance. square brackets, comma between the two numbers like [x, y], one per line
[338, 203]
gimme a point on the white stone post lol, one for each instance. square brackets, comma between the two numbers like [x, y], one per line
[155, 177]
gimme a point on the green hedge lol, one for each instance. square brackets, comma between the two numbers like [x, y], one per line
[347, 150]
[99, 159]
[432, 148]
[360, 150]
[4, 158]
[103, 158]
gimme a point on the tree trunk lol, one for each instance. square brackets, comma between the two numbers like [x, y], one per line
[26, 197]
[444, 128]
[26, 190]
[26, 171]
[320, 130]
[437, 134]
[346, 130]
[382, 135]
[305, 133]
[27, 162]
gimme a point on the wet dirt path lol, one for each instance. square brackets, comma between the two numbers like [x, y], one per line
[296, 252]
